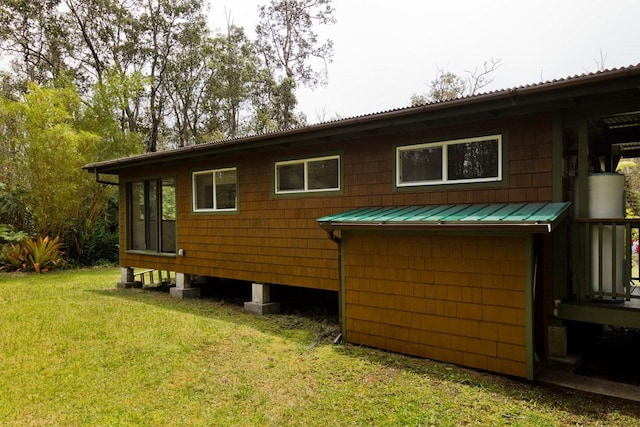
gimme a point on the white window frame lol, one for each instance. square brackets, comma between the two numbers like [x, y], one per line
[445, 172]
[306, 162]
[194, 194]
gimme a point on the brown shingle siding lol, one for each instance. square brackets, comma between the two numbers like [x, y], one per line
[458, 316]
[275, 238]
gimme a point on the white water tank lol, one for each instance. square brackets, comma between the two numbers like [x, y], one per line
[607, 200]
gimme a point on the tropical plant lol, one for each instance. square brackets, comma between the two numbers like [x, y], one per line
[40, 255]
[43, 254]
[8, 235]
[13, 257]
[97, 244]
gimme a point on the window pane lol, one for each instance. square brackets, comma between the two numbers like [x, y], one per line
[424, 164]
[168, 215]
[168, 199]
[291, 177]
[152, 215]
[226, 189]
[204, 191]
[137, 218]
[323, 174]
[473, 160]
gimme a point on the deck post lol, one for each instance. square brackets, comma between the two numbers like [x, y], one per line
[126, 278]
[183, 288]
[261, 300]
[557, 339]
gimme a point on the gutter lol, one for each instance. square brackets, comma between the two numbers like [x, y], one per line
[530, 227]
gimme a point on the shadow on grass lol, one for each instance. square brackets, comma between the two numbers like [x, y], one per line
[225, 305]
[321, 328]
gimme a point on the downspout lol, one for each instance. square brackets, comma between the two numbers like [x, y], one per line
[341, 294]
[333, 237]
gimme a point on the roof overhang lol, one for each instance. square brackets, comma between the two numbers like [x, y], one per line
[574, 93]
[498, 217]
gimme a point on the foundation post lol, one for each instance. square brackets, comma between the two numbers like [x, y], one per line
[126, 278]
[557, 340]
[261, 300]
[183, 288]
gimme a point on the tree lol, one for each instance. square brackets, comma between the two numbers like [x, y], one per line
[34, 32]
[234, 81]
[447, 85]
[290, 46]
[164, 21]
[629, 168]
[187, 78]
[53, 157]
[89, 41]
[45, 142]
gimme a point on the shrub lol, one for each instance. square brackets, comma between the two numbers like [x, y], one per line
[40, 255]
[7, 235]
[13, 257]
[99, 245]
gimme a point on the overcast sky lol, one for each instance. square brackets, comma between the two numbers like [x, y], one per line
[387, 50]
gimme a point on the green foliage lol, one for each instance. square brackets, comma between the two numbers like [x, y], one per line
[44, 190]
[448, 85]
[98, 244]
[8, 235]
[13, 208]
[55, 151]
[629, 167]
[43, 254]
[13, 257]
[287, 39]
[40, 255]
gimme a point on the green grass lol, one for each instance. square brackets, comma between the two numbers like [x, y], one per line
[76, 351]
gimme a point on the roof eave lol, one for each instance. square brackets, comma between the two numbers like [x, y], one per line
[524, 227]
[538, 94]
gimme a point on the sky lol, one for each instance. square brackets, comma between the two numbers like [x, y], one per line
[388, 50]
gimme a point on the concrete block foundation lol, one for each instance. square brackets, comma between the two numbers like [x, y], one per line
[126, 279]
[183, 288]
[261, 301]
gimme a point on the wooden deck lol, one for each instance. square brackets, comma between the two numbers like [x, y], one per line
[619, 313]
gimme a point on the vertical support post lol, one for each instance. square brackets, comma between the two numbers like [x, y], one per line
[582, 253]
[583, 169]
[556, 158]
[628, 245]
[342, 297]
[528, 307]
[126, 278]
[183, 288]
[261, 300]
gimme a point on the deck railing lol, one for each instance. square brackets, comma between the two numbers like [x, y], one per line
[606, 265]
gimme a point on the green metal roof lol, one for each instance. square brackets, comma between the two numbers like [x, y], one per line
[527, 217]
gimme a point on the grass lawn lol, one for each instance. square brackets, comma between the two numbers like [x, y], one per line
[76, 351]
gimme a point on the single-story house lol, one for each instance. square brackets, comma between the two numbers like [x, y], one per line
[467, 231]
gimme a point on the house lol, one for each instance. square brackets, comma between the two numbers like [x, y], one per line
[465, 231]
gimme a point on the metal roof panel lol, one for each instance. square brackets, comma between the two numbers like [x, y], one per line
[537, 217]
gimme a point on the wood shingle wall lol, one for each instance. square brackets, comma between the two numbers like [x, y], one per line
[450, 298]
[275, 239]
